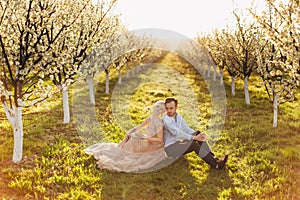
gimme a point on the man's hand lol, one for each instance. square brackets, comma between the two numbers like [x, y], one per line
[196, 133]
[200, 137]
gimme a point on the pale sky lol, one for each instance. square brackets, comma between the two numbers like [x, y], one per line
[187, 17]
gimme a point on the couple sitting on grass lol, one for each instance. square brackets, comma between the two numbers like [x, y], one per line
[166, 137]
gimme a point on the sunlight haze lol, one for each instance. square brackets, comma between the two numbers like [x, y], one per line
[185, 17]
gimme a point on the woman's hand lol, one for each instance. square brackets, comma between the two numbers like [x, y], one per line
[128, 136]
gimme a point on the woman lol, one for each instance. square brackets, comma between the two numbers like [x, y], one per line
[137, 152]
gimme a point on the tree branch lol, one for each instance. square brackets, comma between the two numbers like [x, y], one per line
[7, 61]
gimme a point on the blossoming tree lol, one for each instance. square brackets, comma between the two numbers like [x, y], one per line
[279, 55]
[92, 26]
[31, 38]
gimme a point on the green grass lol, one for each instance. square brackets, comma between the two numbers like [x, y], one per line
[264, 162]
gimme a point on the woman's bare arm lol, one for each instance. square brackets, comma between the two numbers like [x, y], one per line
[140, 126]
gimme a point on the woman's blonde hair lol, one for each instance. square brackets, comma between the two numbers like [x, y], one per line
[159, 102]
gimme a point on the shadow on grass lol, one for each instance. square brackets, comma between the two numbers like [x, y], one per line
[175, 181]
[218, 184]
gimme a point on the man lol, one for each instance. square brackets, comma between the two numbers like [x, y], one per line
[180, 139]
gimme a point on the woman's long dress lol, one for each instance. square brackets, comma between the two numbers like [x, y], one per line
[135, 155]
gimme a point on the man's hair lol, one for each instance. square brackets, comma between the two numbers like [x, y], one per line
[170, 99]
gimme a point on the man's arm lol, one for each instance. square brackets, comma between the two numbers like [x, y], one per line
[170, 124]
[196, 135]
[184, 126]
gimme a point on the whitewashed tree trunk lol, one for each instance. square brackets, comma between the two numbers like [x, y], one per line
[119, 76]
[275, 108]
[132, 70]
[18, 136]
[14, 116]
[203, 71]
[127, 70]
[137, 69]
[246, 90]
[107, 82]
[221, 77]
[66, 106]
[233, 85]
[91, 89]
[215, 73]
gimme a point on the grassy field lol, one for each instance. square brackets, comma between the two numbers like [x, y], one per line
[264, 162]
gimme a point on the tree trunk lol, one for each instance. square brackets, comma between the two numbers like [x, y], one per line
[221, 77]
[233, 85]
[132, 70]
[91, 89]
[203, 71]
[275, 108]
[107, 82]
[215, 73]
[119, 76]
[127, 70]
[138, 67]
[14, 116]
[208, 71]
[246, 90]
[66, 106]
